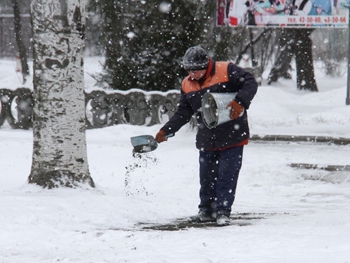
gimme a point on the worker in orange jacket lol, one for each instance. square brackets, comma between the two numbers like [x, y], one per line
[221, 147]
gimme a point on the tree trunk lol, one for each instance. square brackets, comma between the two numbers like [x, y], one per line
[304, 61]
[284, 56]
[252, 51]
[59, 148]
[19, 39]
[295, 42]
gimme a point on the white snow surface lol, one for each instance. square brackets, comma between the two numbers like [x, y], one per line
[300, 215]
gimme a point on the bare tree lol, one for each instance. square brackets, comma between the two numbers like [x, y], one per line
[303, 59]
[295, 42]
[284, 55]
[59, 148]
[19, 39]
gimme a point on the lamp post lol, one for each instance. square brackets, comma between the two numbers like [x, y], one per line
[347, 100]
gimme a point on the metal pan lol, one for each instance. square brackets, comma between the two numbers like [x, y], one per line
[145, 143]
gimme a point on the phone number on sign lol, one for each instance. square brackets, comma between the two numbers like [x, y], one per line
[317, 20]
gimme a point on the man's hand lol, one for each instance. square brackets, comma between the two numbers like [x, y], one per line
[236, 109]
[161, 136]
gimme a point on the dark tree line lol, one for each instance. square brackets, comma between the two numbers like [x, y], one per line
[143, 43]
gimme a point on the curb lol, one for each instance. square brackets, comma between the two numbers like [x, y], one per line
[312, 139]
[331, 168]
[294, 138]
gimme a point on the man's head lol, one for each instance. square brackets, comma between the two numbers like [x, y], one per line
[195, 59]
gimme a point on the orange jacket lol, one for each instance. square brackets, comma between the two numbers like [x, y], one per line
[220, 77]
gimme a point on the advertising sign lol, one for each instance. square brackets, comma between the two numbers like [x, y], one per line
[283, 13]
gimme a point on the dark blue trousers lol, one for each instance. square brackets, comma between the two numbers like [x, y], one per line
[218, 174]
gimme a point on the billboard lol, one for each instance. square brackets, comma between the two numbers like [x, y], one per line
[283, 13]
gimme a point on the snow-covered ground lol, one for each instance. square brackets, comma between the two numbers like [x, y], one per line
[298, 215]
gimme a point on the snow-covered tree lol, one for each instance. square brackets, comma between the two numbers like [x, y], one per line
[146, 40]
[59, 148]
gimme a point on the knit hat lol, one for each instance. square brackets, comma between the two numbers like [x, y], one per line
[195, 59]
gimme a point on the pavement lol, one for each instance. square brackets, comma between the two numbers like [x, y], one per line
[308, 139]
[302, 138]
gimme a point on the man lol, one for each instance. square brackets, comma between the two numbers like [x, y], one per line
[220, 148]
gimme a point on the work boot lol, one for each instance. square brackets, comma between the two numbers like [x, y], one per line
[203, 217]
[222, 220]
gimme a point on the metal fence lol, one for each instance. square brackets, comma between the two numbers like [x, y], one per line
[103, 109]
